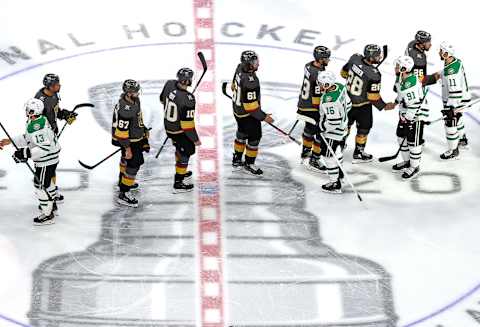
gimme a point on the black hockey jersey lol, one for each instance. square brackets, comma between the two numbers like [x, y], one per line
[51, 108]
[419, 60]
[179, 110]
[246, 94]
[309, 98]
[363, 82]
[127, 122]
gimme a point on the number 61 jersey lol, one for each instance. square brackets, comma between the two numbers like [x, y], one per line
[246, 95]
[363, 81]
[309, 98]
[179, 117]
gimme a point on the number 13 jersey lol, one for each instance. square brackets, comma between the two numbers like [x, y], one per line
[363, 81]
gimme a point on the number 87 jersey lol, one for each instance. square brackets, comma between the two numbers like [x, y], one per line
[363, 81]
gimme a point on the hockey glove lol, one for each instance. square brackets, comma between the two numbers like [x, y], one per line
[21, 155]
[145, 145]
[70, 117]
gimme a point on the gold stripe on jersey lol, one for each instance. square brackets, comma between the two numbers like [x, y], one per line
[251, 106]
[122, 135]
[344, 73]
[307, 109]
[187, 125]
[373, 96]
[316, 101]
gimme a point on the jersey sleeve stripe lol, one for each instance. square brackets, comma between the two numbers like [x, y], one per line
[251, 106]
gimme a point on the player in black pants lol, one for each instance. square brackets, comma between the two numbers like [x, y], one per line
[180, 125]
[363, 85]
[129, 132]
[248, 113]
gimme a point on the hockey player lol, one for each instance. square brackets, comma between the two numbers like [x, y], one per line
[417, 49]
[49, 95]
[334, 107]
[50, 98]
[363, 87]
[248, 113]
[411, 117]
[455, 95]
[308, 102]
[179, 123]
[40, 144]
[129, 132]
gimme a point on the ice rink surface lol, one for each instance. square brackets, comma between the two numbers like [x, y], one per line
[239, 251]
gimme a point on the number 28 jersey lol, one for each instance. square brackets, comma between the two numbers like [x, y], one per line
[363, 81]
[179, 104]
[309, 98]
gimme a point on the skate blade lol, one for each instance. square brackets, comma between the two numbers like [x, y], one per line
[237, 169]
[315, 170]
[411, 178]
[251, 174]
[175, 191]
[49, 222]
[131, 205]
[358, 161]
[332, 191]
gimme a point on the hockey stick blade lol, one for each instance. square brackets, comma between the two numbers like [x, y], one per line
[85, 166]
[385, 54]
[224, 90]
[204, 66]
[101, 161]
[86, 104]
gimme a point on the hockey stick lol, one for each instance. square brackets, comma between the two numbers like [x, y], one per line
[388, 158]
[161, 148]
[80, 105]
[293, 127]
[341, 167]
[224, 91]
[204, 66]
[385, 54]
[28, 164]
[100, 162]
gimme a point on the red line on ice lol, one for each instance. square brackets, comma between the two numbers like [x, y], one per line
[208, 183]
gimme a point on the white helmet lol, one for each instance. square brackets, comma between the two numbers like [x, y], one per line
[326, 78]
[405, 63]
[448, 48]
[33, 107]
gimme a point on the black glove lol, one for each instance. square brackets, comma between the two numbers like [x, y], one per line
[21, 155]
[145, 145]
[69, 116]
[448, 113]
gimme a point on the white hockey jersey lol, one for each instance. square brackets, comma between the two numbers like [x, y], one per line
[42, 142]
[410, 95]
[334, 107]
[455, 91]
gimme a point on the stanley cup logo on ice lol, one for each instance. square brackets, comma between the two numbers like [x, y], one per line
[142, 270]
